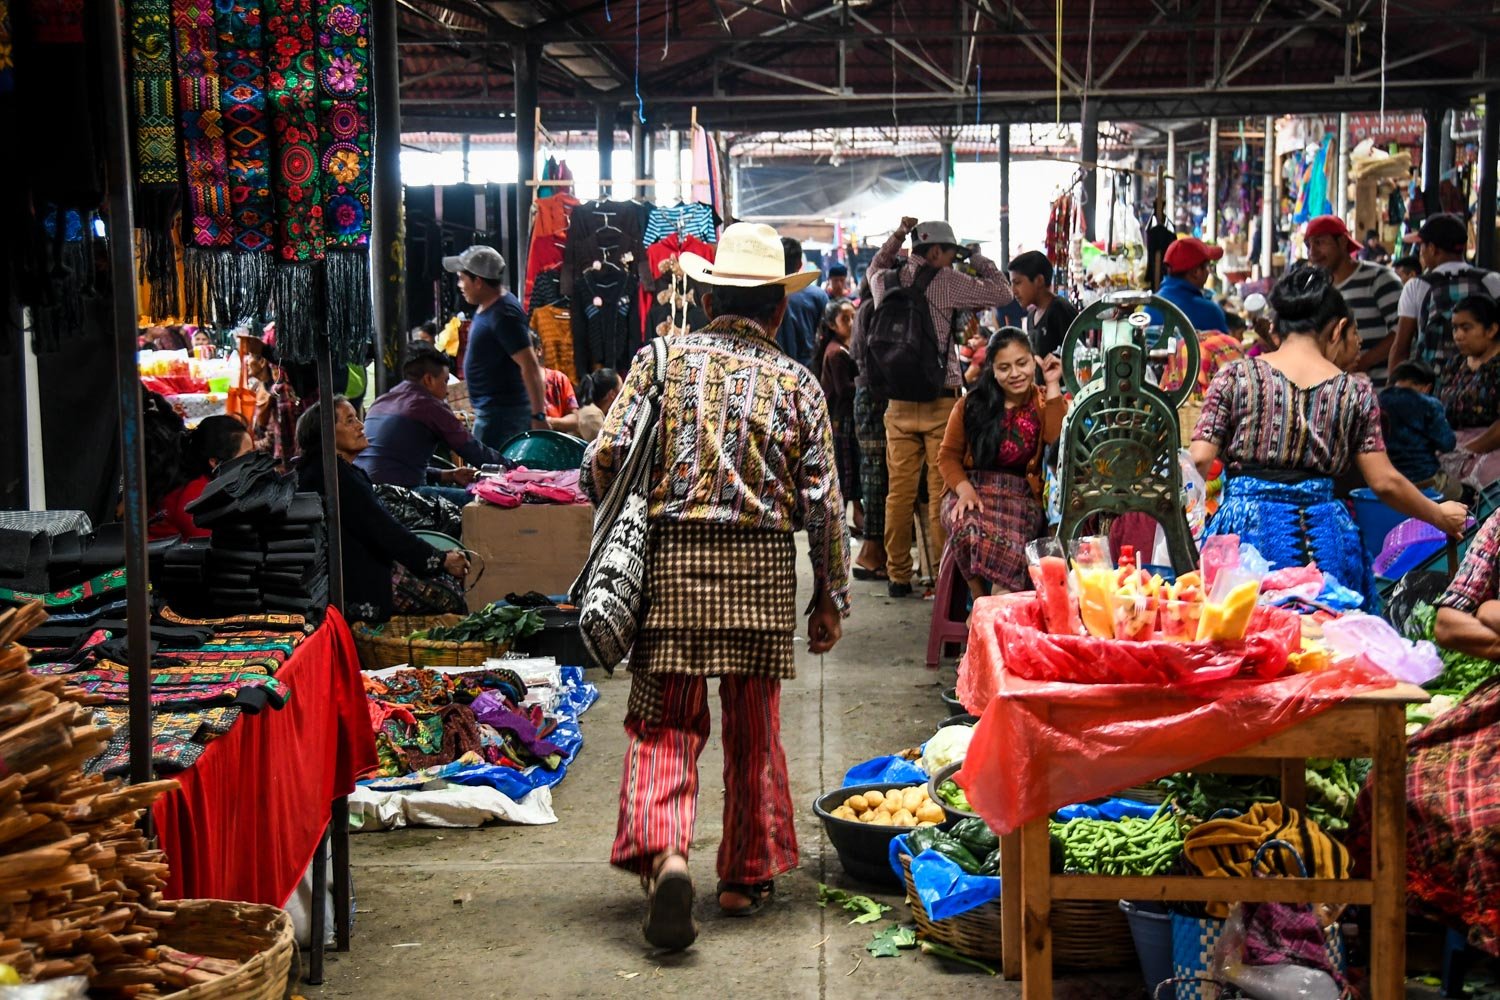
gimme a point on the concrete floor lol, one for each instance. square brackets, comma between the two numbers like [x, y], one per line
[537, 911]
[505, 911]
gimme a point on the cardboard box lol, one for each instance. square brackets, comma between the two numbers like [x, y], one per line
[538, 547]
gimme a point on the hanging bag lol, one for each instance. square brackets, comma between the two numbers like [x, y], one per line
[610, 591]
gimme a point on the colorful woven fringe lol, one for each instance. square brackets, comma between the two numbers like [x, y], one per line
[152, 92]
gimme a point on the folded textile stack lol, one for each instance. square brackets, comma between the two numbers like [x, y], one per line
[267, 552]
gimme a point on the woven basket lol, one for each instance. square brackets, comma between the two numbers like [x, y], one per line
[259, 936]
[393, 647]
[1187, 418]
[1086, 933]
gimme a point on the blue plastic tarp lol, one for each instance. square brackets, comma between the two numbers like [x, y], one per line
[885, 771]
[945, 889]
[1110, 809]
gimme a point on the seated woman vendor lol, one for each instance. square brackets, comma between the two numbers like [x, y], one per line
[1288, 423]
[373, 540]
[215, 440]
[991, 461]
[1468, 613]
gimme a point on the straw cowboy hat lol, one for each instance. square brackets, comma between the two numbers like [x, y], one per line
[749, 255]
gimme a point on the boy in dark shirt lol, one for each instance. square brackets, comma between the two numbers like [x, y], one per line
[1416, 429]
[1050, 316]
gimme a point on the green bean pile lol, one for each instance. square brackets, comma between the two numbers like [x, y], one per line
[1129, 846]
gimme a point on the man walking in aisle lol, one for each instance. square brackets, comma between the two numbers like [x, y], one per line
[505, 380]
[1370, 290]
[746, 460]
[914, 428]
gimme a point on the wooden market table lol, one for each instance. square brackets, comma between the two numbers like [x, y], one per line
[1371, 725]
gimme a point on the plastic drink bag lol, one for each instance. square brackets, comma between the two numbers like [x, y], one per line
[1219, 552]
[1094, 576]
[1194, 495]
[1054, 590]
[1375, 640]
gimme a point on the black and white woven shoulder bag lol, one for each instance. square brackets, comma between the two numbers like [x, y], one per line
[611, 589]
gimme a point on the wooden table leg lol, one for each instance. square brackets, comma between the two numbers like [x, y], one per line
[1294, 783]
[1010, 905]
[1388, 864]
[1036, 911]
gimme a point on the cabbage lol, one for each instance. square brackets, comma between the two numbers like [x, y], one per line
[950, 744]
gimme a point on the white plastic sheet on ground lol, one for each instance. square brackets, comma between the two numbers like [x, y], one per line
[446, 805]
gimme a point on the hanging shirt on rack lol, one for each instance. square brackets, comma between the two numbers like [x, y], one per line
[695, 219]
[669, 282]
[547, 290]
[606, 299]
[554, 324]
[606, 233]
[549, 234]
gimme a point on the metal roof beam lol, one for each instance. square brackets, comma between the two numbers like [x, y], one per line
[783, 77]
[917, 60]
[1274, 46]
[1129, 47]
[1244, 43]
[1408, 60]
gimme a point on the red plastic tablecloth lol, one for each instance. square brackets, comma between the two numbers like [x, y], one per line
[1041, 745]
[250, 812]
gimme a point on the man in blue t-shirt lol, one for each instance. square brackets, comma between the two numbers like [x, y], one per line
[504, 378]
[1189, 263]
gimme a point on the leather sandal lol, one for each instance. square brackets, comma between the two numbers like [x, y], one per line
[669, 908]
[760, 895]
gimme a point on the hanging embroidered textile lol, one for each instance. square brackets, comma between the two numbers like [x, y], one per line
[343, 51]
[156, 175]
[209, 223]
[292, 72]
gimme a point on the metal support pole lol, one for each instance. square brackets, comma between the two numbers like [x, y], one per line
[524, 58]
[947, 178]
[732, 210]
[1341, 194]
[1004, 157]
[319, 915]
[1432, 119]
[1445, 147]
[1171, 178]
[1268, 202]
[1489, 152]
[1088, 152]
[343, 900]
[639, 138]
[120, 222]
[1211, 217]
[463, 149]
[604, 125]
[387, 216]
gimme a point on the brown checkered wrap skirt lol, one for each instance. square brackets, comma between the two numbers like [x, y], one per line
[991, 545]
[719, 600]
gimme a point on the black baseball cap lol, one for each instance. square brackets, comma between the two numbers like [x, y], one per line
[1445, 231]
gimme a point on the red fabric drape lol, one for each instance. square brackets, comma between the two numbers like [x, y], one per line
[1041, 745]
[248, 817]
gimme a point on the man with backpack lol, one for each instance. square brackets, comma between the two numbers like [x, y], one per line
[1424, 324]
[911, 358]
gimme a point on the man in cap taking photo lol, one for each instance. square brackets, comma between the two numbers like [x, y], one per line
[720, 579]
[914, 428]
[504, 378]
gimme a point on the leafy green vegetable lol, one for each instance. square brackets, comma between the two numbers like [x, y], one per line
[887, 943]
[868, 911]
[1462, 673]
[495, 624]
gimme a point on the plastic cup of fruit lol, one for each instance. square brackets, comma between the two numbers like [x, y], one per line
[1134, 616]
[1179, 620]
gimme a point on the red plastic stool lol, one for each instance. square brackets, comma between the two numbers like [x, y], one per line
[950, 606]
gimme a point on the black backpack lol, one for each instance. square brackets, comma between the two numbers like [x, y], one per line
[901, 353]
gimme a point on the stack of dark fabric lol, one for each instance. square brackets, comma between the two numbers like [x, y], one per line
[267, 552]
[181, 576]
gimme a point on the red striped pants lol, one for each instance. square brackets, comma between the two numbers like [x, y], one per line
[659, 791]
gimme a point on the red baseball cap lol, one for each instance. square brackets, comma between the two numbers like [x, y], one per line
[1188, 252]
[1331, 225]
